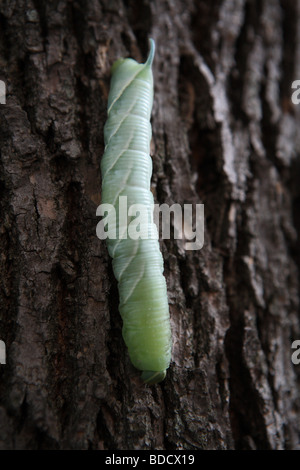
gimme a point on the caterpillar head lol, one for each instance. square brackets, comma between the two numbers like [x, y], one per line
[151, 377]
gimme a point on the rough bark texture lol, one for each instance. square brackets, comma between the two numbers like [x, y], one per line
[224, 134]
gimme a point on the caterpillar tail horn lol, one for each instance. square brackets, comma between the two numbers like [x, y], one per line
[151, 53]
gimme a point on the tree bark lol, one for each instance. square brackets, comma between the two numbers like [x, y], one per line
[224, 134]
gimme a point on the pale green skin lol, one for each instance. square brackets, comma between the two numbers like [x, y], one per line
[138, 264]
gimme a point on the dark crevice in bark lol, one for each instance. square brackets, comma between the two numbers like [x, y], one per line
[10, 264]
[243, 46]
[263, 320]
[4, 41]
[41, 8]
[247, 421]
[103, 433]
[44, 442]
[204, 141]
[115, 343]
[186, 272]
[26, 82]
[245, 414]
[23, 87]
[83, 129]
[60, 165]
[204, 19]
[269, 129]
[295, 246]
[127, 40]
[36, 214]
[65, 312]
[85, 60]
[77, 15]
[140, 17]
[61, 372]
[23, 414]
[222, 384]
[201, 336]
[289, 10]
[50, 142]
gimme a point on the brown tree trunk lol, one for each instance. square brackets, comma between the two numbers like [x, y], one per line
[225, 133]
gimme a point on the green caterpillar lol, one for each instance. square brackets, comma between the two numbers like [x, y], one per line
[126, 168]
